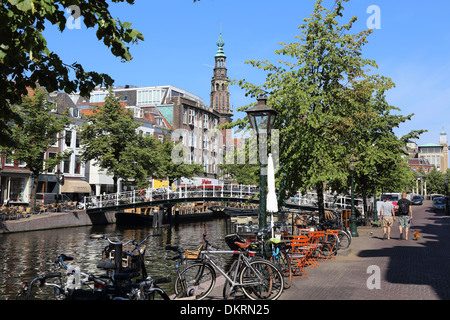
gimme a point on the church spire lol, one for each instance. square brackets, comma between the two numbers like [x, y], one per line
[220, 96]
[220, 44]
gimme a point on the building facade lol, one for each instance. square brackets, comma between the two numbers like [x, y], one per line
[436, 154]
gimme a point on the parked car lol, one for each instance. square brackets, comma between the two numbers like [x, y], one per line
[47, 198]
[417, 200]
[439, 204]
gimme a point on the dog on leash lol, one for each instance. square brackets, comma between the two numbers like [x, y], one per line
[416, 235]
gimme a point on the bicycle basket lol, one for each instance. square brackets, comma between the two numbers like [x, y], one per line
[192, 254]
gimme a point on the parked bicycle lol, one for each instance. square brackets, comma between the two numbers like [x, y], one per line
[273, 249]
[344, 236]
[71, 283]
[258, 278]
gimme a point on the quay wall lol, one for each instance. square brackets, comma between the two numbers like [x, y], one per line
[55, 220]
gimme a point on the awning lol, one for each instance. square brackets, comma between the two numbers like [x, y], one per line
[75, 186]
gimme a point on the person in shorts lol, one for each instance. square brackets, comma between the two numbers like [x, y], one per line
[404, 213]
[387, 217]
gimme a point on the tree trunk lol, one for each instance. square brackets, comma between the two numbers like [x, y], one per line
[320, 201]
[33, 207]
[115, 184]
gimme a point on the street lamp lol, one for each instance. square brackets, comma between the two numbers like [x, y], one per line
[60, 180]
[353, 228]
[261, 119]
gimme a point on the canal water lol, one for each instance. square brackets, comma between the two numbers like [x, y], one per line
[26, 255]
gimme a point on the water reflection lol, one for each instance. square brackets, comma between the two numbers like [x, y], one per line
[25, 255]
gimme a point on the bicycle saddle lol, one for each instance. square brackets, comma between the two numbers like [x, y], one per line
[242, 245]
[106, 265]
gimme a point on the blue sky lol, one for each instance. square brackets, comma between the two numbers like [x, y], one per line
[411, 47]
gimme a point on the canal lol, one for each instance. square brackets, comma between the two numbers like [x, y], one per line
[25, 255]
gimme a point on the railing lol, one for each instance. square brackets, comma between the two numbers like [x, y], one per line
[218, 191]
[183, 192]
[330, 201]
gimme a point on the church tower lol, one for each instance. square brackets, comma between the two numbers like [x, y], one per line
[220, 96]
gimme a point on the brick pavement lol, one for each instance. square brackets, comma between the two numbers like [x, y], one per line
[408, 270]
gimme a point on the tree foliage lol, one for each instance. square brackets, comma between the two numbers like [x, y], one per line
[25, 58]
[35, 135]
[330, 106]
[109, 139]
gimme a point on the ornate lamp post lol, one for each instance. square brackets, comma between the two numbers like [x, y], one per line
[60, 180]
[353, 228]
[262, 119]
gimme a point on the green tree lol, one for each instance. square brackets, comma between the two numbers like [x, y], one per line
[435, 181]
[109, 139]
[329, 107]
[40, 129]
[26, 60]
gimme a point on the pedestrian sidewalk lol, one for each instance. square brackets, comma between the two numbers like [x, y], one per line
[377, 269]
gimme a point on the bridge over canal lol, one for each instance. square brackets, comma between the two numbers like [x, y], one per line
[218, 197]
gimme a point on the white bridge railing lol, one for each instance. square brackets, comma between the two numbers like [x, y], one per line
[210, 191]
[183, 192]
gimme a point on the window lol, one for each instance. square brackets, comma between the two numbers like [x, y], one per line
[191, 116]
[8, 159]
[77, 164]
[191, 139]
[77, 140]
[67, 165]
[17, 189]
[51, 155]
[74, 112]
[205, 121]
[205, 164]
[184, 115]
[98, 97]
[205, 141]
[151, 97]
[68, 138]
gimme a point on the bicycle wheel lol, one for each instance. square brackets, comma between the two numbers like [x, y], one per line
[344, 240]
[283, 262]
[261, 279]
[197, 280]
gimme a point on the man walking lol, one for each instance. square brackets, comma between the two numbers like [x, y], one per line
[387, 216]
[404, 215]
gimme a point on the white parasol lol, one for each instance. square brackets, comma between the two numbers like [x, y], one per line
[272, 203]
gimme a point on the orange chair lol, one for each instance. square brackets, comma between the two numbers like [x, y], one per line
[300, 246]
[316, 244]
[330, 243]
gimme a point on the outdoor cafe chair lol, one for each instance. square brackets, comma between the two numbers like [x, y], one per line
[330, 243]
[300, 246]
